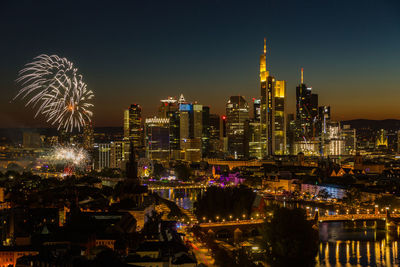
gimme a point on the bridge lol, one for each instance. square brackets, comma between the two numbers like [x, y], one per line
[229, 228]
[250, 226]
[355, 217]
[166, 187]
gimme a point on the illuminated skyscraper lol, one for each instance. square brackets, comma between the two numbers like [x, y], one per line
[306, 110]
[205, 139]
[88, 136]
[216, 135]
[350, 140]
[272, 117]
[237, 115]
[157, 138]
[133, 125]
[186, 111]
[169, 109]
[279, 119]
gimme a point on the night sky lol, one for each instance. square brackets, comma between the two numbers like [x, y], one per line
[143, 51]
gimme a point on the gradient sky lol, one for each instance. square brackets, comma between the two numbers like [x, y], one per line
[143, 51]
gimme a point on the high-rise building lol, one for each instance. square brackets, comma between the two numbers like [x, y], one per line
[205, 139]
[169, 109]
[216, 135]
[237, 115]
[119, 154]
[279, 119]
[103, 156]
[133, 130]
[88, 136]
[306, 109]
[186, 112]
[350, 140]
[192, 149]
[254, 130]
[272, 111]
[157, 138]
[197, 121]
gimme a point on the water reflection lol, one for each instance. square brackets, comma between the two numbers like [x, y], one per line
[367, 245]
[342, 244]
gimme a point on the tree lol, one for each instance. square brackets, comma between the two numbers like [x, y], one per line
[353, 197]
[324, 194]
[388, 201]
[289, 239]
[159, 170]
[224, 203]
[182, 172]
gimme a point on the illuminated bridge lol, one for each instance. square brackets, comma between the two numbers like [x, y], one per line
[228, 228]
[166, 187]
[355, 217]
[251, 226]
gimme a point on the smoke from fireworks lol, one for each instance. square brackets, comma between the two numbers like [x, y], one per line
[54, 87]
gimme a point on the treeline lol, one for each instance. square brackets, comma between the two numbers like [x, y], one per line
[224, 203]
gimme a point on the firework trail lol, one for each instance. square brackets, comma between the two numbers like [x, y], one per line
[54, 87]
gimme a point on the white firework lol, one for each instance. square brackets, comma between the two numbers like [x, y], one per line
[53, 86]
[69, 155]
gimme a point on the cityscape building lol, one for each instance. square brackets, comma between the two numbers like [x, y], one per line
[306, 109]
[133, 129]
[157, 138]
[216, 136]
[237, 115]
[205, 139]
[272, 111]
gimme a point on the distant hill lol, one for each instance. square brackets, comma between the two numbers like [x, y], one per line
[14, 135]
[389, 124]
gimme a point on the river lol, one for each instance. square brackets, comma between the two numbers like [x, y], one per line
[341, 244]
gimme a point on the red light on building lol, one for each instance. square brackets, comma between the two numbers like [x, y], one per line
[224, 117]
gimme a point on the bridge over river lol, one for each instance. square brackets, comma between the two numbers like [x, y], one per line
[251, 225]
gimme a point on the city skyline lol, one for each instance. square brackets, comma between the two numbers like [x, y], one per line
[210, 54]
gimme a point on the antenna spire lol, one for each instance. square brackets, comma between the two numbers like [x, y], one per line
[265, 46]
[302, 81]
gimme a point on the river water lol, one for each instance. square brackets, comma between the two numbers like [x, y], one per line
[341, 244]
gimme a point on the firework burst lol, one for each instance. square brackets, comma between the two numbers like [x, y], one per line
[69, 155]
[53, 86]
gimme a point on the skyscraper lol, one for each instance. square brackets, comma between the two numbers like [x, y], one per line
[186, 112]
[237, 115]
[205, 139]
[133, 130]
[88, 136]
[306, 109]
[272, 111]
[279, 119]
[169, 109]
[216, 135]
[157, 138]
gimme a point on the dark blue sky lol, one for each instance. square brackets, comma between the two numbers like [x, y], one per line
[143, 51]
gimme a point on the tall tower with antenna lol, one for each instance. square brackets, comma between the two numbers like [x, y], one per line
[272, 114]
